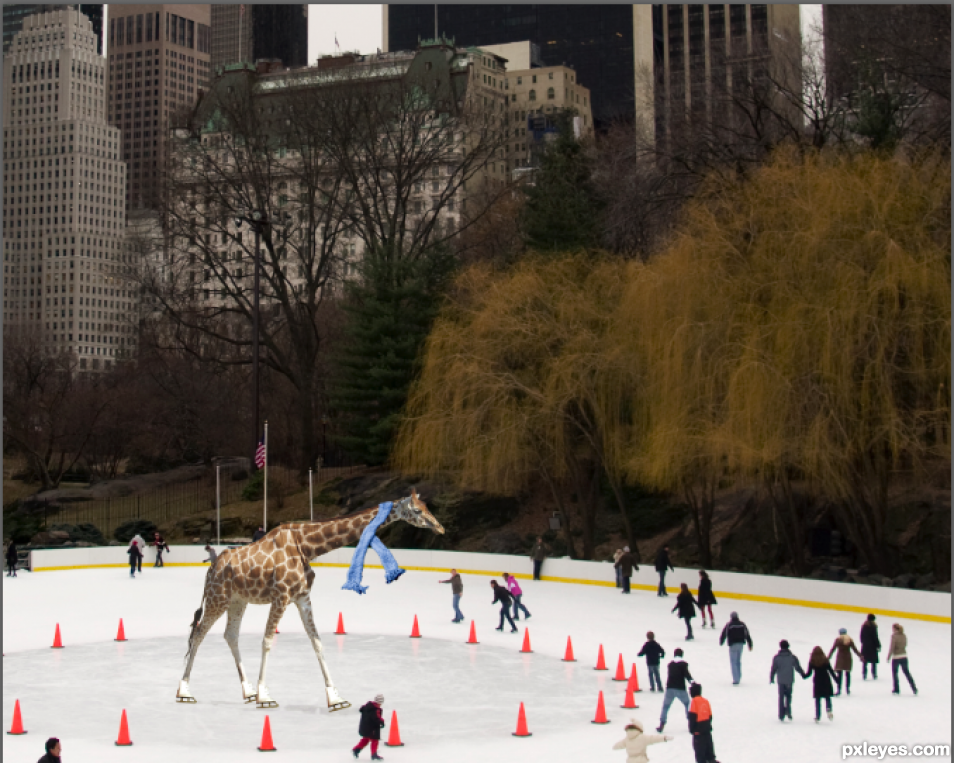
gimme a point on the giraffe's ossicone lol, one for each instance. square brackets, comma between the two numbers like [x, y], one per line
[276, 570]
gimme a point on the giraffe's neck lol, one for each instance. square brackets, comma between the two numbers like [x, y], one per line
[317, 538]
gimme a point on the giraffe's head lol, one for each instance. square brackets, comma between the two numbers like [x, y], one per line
[413, 511]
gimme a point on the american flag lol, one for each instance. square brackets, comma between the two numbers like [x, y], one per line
[260, 454]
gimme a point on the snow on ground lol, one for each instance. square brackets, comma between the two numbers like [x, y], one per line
[455, 702]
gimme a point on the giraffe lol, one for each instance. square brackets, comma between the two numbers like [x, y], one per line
[276, 571]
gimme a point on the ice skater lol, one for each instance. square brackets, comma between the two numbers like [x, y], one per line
[457, 590]
[616, 555]
[212, 554]
[662, 564]
[626, 564]
[53, 750]
[737, 634]
[687, 608]
[635, 742]
[844, 645]
[503, 596]
[870, 646]
[135, 557]
[11, 558]
[539, 554]
[819, 668]
[161, 546]
[372, 721]
[700, 726]
[898, 657]
[517, 593]
[706, 598]
[653, 653]
[784, 667]
[676, 677]
[142, 547]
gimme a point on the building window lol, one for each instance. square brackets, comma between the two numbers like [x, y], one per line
[550, 94]
[533, 94]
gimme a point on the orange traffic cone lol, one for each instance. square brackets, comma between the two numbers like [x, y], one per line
[522, 730]
[57, 641]
[633, 680]
[473, 634]
[17, 727]
[341, 630]
[415, 631]
[267, 744]
[620, 670]
[600, 660]
[394, 737]
[568, 657]
[121, 634]
[124, 740]
[526, 642]
[630, 701]
[600, 711]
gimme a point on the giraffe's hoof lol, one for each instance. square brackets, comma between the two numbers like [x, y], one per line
[266, 703]
[251, 698]
[183, 694]
[187, 700]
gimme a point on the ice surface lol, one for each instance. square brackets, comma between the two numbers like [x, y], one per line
[454, 702]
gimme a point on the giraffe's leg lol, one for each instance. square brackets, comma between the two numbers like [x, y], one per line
[274, 616]
[236, 611]
[335, 702]
[211, 614]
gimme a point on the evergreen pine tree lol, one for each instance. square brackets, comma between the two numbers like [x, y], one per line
[562, 212]
[389, 314]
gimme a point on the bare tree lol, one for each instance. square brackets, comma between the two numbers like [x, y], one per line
[322, 163]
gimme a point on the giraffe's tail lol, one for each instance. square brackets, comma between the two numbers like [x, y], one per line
[195, 621]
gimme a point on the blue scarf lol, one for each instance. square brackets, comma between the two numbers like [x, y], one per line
[368, 539]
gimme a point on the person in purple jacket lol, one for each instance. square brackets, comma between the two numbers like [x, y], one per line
[514, 587]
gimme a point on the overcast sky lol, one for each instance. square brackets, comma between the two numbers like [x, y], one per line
[358, 28]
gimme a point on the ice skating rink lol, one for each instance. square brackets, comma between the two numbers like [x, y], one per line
[455, 702]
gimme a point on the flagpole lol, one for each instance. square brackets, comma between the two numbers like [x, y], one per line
[218, 507]
[265, 520]
[311, 498]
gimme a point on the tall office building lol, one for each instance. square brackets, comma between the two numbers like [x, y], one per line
[63, 196]
[14, 14]
[254, 32]
[160, 59]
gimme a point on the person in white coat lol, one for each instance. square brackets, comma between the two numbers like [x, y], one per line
[636, 742]
[141, 545]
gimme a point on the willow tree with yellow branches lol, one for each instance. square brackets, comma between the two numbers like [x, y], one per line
[794, 336]
[518, 386]
[798, 330]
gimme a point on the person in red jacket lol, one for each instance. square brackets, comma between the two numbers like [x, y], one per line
[372, 721]
[700, 726]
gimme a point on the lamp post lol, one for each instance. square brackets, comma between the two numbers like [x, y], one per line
[258, 221]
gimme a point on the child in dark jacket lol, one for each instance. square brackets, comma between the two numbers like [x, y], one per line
[372, 721]
[653, 653]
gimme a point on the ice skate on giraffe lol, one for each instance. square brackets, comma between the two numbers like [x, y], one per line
[276, 570]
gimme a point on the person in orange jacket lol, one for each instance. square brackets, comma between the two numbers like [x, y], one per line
[700, 726]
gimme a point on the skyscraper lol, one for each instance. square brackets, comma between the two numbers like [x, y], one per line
[160, 59]
[63, 196]
[14, 14]
[253, 32]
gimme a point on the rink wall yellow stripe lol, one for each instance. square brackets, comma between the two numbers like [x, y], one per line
[723, 594]
[580, 581]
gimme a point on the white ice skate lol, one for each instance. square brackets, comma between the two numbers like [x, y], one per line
[248, 693]
[184, 695]
[262, 699]
[335, 702]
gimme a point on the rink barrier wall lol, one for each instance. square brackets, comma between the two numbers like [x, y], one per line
[932, 606]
